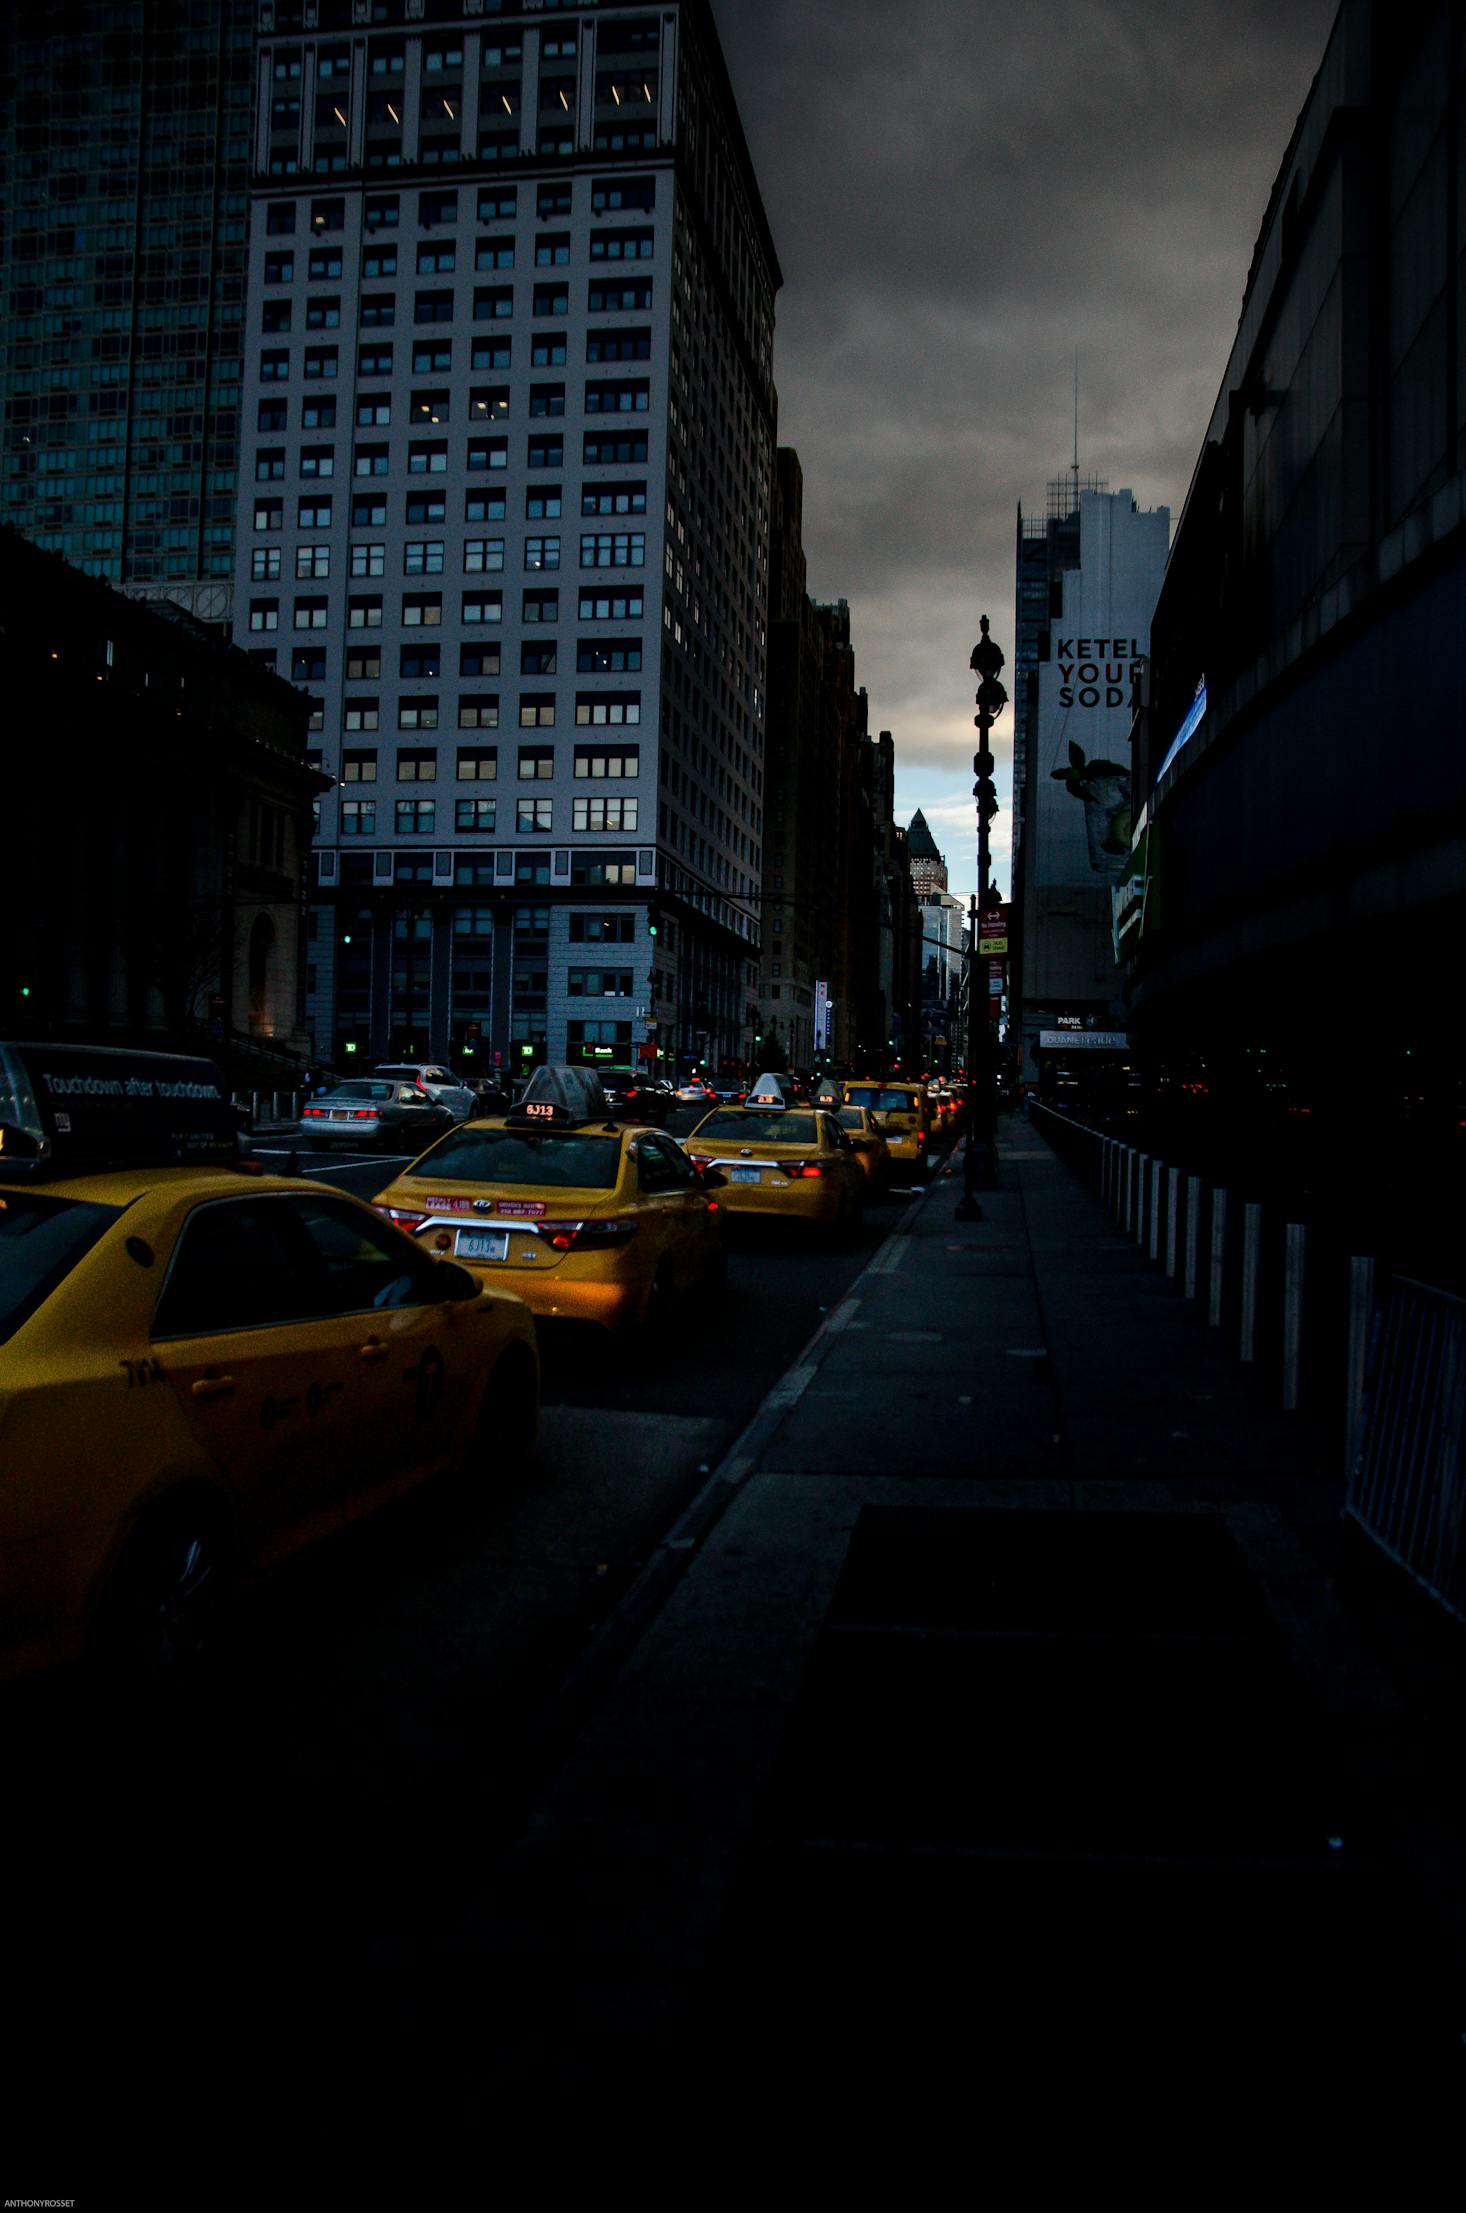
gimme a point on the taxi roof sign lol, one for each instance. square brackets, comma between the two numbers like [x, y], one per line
[67, 1108]
[562, 1094]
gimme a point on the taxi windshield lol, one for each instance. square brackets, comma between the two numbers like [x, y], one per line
[41, 1241]
[883, 1102]
[747, 1125]
[576, 1160]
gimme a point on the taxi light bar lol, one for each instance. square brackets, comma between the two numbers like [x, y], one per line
[584, 1236]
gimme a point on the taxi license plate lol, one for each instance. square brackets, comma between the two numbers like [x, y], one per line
[745, 1175]
[482, 1244]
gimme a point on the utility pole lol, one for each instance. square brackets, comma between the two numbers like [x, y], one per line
[979, 1168]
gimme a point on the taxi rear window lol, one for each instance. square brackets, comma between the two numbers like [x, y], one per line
[41, 1241]
[571, 1160]
[882, 1102]
[747, 1123]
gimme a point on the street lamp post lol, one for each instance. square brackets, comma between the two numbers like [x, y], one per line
[979, 1166]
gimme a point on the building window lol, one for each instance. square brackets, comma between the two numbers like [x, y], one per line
[491, 353]
[552, 249]
[599, 983]
[370, 461]
[374, 412]
[308, 664]
[610, 606]
[613, 499]
[318, 460]
[363, 664]
[637, 245]
[547, 399]
[382, 214]
[607, 656]
[597, 761]
[323, 310]
[541, 607]
[427, 457]
[603, 814]
[312, 563]
[542, 553]
[264, 614]
[532, 817]
[493, 303]
[264, 567]
[437, 207]
[420, 661]
[483, 607]
[419, 713]
[327, 215]
[602, 929]
[280, 219]
[483, 507]
[269, 464]
[618, 345]
[321, 362]
[313, 514]
[274, 369]
[416, 765]
[359, 767]
[435, 261]
[536, 712]
[275, 317]
[368, 512]
[374, 361]
[369, 560]
[613, 448]
[421, 609]
[481, 555]
[617, 396]
[618, 296]
[318, 414]
[477, 815]
[361, 714]
[594, 869]
[478, 711]
[358, 818]
[547, 350]
[382, 262]
[415, 817]
[488, 453]
[607, 707]
[269, 514]
[422, 557]
[536, 762]
[364, 611]
[432, 307]
[494, 253]
[479, 660]
[478, 764]
[541, 502]
[537, 660]
[614, 550]
[498, 203]
[545, 453]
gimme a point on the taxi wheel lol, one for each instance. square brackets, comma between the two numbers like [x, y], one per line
[169, 1592]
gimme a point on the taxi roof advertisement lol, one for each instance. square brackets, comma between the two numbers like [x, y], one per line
[106, 1104]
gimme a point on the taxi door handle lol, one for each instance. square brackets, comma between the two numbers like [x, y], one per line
[371, 1350]
[213, 1386]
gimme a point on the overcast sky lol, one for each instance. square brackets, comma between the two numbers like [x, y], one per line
[963, 192]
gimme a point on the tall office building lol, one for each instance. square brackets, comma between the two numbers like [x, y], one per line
[508, 453]
[124, 159]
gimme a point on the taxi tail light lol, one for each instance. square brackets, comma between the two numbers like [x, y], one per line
[585, 1236]
[796, 1168]
[701, 1160]
[404, 1218]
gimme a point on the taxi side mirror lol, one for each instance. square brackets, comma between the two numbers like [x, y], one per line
[455, 1282]
[711, 1179]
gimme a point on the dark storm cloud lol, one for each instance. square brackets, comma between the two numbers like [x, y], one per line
[960, 196]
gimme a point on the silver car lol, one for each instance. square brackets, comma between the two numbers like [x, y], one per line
[438, 1082]
[376, 1113]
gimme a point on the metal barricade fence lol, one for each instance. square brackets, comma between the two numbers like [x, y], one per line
[1407, 1481]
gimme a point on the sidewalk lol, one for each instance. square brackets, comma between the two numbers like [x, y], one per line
[1010, 1675]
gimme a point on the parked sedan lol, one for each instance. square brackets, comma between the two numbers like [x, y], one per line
[376, 1112]
[438, 1082]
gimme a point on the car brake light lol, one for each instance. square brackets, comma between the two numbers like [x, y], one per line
[796, 1168]
[404, 1218]
[701, 1160]
[585, 1236]
[316, 1114]
[365, 1114]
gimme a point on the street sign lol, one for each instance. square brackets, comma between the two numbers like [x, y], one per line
[992, 945]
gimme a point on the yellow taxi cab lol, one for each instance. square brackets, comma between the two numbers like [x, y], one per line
[905, 1113]
[785, 1163]
[868, 1143]
[585, 1217]
[203, 1368]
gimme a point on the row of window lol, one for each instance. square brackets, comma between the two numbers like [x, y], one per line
[542, 502]
[495, 203]
[378, 311]
[419, 610]
[604, 295]
[479, 764]
[532, 817]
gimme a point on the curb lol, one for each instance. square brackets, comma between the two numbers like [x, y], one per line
[609, 1645]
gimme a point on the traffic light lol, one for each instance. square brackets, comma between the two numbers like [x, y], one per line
[653, 920]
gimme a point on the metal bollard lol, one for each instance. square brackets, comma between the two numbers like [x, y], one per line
[1218, 1258]
[1155, 1210]
[1251, 1270]
[1193, 1232]
[1138, 1224]
[1295, 1249]
[1173, 1210]
[1361, 1316]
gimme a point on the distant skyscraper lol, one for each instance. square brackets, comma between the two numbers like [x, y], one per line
[509, 447]
[928, 866]
[1076, 676]
[124, 155]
